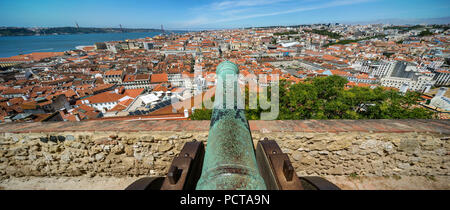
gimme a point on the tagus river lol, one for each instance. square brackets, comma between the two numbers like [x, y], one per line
[15, 45]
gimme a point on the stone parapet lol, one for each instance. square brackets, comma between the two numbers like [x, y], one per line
[146, 148]
[314, 126]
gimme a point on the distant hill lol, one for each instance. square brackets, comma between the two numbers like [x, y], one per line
[417, 21]
[16, 31]
[397, 21]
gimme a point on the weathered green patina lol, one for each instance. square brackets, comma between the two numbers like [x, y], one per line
[230, 162]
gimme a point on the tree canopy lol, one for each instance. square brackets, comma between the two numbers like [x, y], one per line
[327, 98]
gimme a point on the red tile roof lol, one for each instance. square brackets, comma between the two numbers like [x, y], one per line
[110, 96]
[33, 56]
[129, 78]
[84, 111]
[143, 77]
[122, 105]
[159, 78]
[160, 88]
[114, 72]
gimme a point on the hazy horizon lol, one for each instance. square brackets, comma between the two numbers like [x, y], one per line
[216, 14]
[441, 20]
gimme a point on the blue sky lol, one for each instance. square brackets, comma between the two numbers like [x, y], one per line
[198, 14]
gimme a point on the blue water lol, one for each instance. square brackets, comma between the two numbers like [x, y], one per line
[15, 45]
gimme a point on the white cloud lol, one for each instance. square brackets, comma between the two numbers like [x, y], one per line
[228, 11]
[243, 3]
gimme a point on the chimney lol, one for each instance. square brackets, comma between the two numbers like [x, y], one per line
[116, 91]
[441, 92]
[404, 88]
[427, 88]
[77, 117]
[186, 113]
[64, 111]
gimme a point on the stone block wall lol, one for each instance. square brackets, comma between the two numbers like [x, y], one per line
[367, 148]
[90, 153]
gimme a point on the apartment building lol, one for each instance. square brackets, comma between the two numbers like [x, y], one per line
[137, 81]
[442, 77]
[113, 77]
[402, 76]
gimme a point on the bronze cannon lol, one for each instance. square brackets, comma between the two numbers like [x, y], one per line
[230, 161]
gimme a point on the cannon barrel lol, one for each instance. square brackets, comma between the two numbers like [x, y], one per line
[229, 161]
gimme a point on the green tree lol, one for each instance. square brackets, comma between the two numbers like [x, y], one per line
[201, 114]
[425, 33]
[326, 98]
